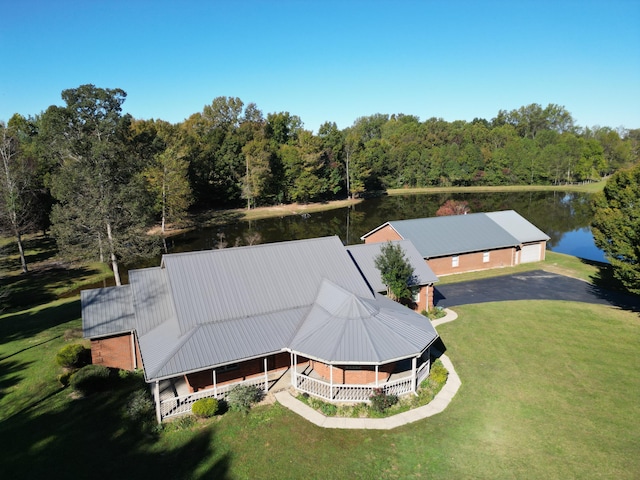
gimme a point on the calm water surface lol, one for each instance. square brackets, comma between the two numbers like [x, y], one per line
[565, 217]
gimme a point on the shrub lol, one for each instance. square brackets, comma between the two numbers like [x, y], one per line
[438, 373]
[205, 407]
[380, 401]
[329, 409]
[64, 378]
[140, 407]
[434, 313]
[89, 379]
[74, 355]
[242, 397]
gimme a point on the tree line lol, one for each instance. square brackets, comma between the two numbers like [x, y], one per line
[98, 178]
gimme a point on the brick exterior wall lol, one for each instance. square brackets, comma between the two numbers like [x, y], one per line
[471, 262]
[342, 375]
[245, 370]
[425, 302]
[385, 234]
[116, 352]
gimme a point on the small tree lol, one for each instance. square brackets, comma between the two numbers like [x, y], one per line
[396, 271]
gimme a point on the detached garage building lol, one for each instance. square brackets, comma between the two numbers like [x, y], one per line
[466, 243]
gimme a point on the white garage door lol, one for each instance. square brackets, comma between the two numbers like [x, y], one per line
[530, 253]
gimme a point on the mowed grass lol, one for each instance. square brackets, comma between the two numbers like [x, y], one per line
[549, 390]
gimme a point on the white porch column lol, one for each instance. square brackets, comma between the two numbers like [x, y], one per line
[156, 396]
[331, 382]
[133, 351]
[377, 376]
[215, 383]
[414, 362]
[266, 376]
[294, 364]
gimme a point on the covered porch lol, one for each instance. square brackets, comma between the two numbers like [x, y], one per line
[334, 384]
[175, 396]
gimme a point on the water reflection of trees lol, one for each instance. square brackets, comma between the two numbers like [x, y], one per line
[555, 213]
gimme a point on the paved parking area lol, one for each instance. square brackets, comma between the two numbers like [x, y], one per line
[535, 285]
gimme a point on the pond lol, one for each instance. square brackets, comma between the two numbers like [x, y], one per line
[565, 217]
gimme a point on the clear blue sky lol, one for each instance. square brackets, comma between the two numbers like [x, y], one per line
[328, 60]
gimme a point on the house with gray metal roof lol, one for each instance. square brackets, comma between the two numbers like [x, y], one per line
[364, 255]
[464, 243]
[203, 322]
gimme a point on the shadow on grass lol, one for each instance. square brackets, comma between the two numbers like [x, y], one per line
[38, 249]
[608, 288]
[27, 324]
[41, 285]
[10, 373]
[89, 437]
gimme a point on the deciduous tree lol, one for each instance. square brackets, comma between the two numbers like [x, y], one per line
[395, 270]
[616, 226]
[102, 207]
[17, 195]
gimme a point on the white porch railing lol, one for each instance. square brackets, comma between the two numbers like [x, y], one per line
[350, 392]
[181, 404]
[423, 372]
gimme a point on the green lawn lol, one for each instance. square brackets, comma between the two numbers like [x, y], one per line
[549, 390]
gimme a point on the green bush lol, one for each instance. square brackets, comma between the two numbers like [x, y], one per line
[242, 397]
[380, 401]
[89, 379]
[74, 355]
[329, 409]
[140, 407]
[64, 378]
[434, 313]
[205, 407]
[438, 373]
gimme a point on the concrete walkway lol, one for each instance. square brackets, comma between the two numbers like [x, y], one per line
[437, 405]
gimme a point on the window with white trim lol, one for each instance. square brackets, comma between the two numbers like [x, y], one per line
[485, 257]
[455, 261]
[415, 294]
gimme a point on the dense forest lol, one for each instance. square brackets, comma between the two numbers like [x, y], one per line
[97, 177]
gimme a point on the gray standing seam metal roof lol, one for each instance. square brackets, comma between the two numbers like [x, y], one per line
[364, 256]
[457, 234]
[217, 307]
[268, 274]
[518, 226]
[344, 328]
[109, 310]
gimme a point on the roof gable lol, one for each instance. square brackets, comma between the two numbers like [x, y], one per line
[107, 311]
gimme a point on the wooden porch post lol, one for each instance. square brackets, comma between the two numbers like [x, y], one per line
[215, 383]
[414, 377]
[377, 376]
[156, 395]
[266, 376]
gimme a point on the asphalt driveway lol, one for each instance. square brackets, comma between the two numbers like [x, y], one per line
[535, 285]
